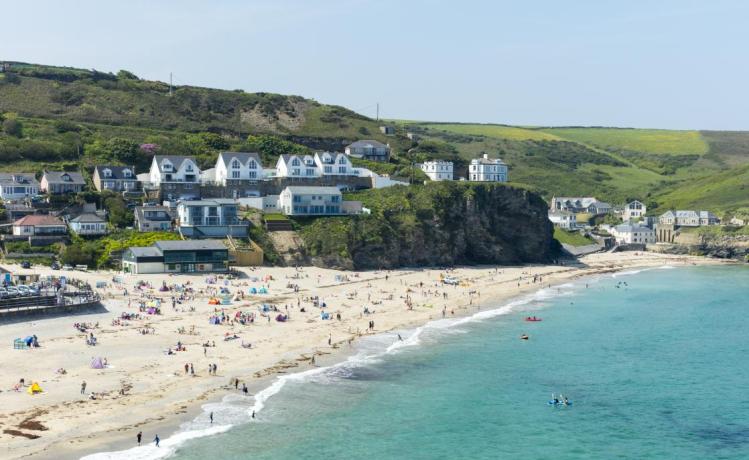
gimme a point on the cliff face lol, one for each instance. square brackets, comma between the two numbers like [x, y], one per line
[447, 223]
[718, 246]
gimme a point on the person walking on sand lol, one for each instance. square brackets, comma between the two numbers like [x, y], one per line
[330, 339]
[139, 436]
[83, 387]
[156, 440]
[211, 417]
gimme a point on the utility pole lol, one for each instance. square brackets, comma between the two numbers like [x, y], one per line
[170, 83]
[378, 112]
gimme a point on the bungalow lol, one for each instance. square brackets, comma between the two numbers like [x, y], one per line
[88, 224]
[153, 218]
[563, 219]
[310, 201]
[17, 186]
[115, 178]
[210, 219]
[171, 168]
[189, 256]
[486, 169]
[438, 169]
[39, 225]
[633, 234]
[387, 130]
[233, 167]
[369, 150]
[634, 210]
[59, 182]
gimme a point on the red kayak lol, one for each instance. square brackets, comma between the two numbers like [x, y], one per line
[533, 319]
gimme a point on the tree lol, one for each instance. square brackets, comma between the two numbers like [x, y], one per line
[207, 142]
[119, 215]
[123, 150]
[126, 75]
[13, 127]
[270, 147]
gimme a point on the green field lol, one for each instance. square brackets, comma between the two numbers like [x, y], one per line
[657, 141]
[495, 131]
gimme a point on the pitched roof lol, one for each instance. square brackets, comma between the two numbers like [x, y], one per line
[175, 160]
[312, 190]
[18, 178]
[367, 143]
[208, 202]
[117, 172]
[147, 251]
[64, 177]
[88, 218]
[140, 213]
[628, 228]
[243, 157]
[39, 219]
[190, 245]
[487, 161]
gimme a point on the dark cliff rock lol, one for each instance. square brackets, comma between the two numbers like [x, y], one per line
[447, 223]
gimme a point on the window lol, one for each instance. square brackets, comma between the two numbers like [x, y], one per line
[342, 161]
[235, 164]
[295, 172]
[310, 172]
[335, 199]
[107, 173]
[253, 174]
[126, 173]
[328, 169]
[297, 199]
[253, 164]
[295, 162]
[342, 169]
[235, 174]
[188, 167]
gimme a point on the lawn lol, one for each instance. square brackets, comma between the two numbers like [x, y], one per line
[658, 141]
[572, 238]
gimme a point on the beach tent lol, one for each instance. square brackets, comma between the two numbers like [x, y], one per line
[34, 389]
[97, 363]
[253, 290]
[262, 291]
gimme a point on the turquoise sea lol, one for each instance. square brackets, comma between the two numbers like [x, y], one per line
[657, 368]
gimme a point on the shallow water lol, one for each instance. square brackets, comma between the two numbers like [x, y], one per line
[656, 369]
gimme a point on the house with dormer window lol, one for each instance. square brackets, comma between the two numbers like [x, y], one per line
[115, 178]
[17, 186]
[302, 166]
[233, 168]
[334, 164]
[173, 169]
[58, 182]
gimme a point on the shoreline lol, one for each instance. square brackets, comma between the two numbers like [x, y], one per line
[492, 295]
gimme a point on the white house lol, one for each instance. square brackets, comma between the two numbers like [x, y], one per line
[634, 210]
[310, 201]
[438, 169]
[296, 166]
[88, 224]
[688, 218]
[334, 164]
[236, 166]
[581, 204]
[214, 218]
[369, 150]
[39, 225]
[633, 234]
[171, 168]
[17, 186]
[563, 219]
[485, 169]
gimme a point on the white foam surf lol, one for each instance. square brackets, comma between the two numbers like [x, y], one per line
[373, 351]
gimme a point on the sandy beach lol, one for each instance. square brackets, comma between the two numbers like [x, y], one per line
[144, 388]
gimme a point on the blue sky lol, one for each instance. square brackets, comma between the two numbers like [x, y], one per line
[657, 64]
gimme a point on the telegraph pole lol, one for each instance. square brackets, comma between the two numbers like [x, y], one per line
[170, 83]
[378, 112]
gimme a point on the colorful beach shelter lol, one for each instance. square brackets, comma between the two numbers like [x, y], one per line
[34, 388]
[97, 363]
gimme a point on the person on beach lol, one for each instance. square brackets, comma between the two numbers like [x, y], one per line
[83, 387]
[244, 389]
[156, 440]
[139, 436]
[253, 414]
[211, 417]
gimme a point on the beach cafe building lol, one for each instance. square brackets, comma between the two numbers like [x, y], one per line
[191, 256]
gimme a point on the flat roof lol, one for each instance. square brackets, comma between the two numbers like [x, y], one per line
[190, 245]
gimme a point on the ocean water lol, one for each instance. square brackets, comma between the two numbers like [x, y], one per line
[655, 362]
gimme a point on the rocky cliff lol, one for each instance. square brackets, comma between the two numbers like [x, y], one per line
[438, 224]
[718, 246]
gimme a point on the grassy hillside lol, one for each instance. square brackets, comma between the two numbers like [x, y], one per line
[68, 118]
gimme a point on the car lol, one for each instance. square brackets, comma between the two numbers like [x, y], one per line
[3, 293]
[25, 264]
[33, 289]
[23, 290]
[13, 292]
[67, 267]
[450, 281]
